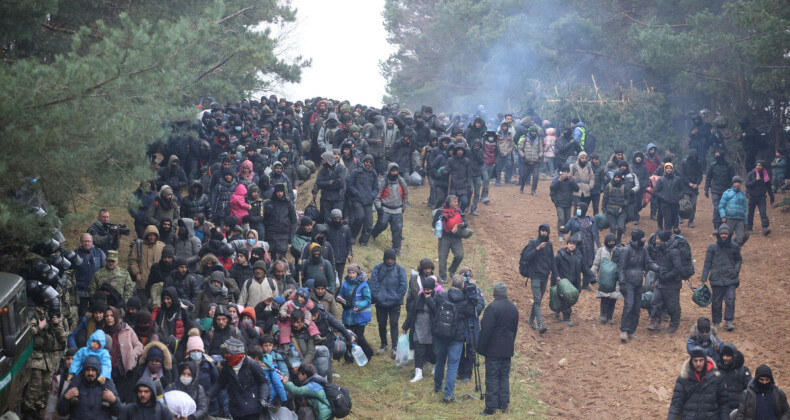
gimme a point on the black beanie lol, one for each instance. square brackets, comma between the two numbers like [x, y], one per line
[703, 325]
[697, 351]
[389, 254]
[216, 235]
[306, 221]
[429, 283]
[168, 251]
[665, 235]
[134, 302]
[320, 281]
[637, 235]
[764, 370]
[728, 350]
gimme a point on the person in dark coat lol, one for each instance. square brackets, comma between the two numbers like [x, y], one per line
[723, 265]
[718, 179]
[632, 265]
[699, 390]
[640, 172]
[763, 399]
[690, 171]
[401, 151]
[667, 292]
[146, 405]
[571, 266]
[669, 192]
[388, 285]
[189, 383]
[562, 188]
[363, 188]
[173, 175]
[339, 235]
[735, 375]
[613, 204]
[477, 161]
[331, 181]
[758, 182]
[88, 399]
[418, 325]
[245, 381]
[279, 216]
[699, 139]
[538, 259]
[438, 173]
[496, 343]
[460, 175]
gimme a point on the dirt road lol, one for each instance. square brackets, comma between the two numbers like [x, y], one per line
[605, 379]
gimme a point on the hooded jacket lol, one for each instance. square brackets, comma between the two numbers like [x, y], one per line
[539, 262]
[735, 376]
[669, 189]
[331, 179]
[313, 392]
[690, 172]
[363, 185]
[701, 398]
[220, 199]
[188, 248]
[238, 204]
[393, 196]
[312, 267]
[176, 320]
[401, 151]
[102, 355]
[584, 177]
[143, 255]
[747, 409]
[652, 162]
[356, 294]
[279, 216]
[162, 209]
[708, 343]
[152, 410]
[174, 176]
[722, 262]
[388, 284]
[718, 178]
[477, 158]
[640, 171]
[460, 174]
[195, 390]
[632, 264]
[90, 397]
[195, 202]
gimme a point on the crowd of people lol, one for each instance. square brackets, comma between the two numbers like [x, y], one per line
[240, 301]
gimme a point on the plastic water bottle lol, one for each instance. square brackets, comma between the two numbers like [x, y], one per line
[437, 228]
[359, 355]
[294, 356]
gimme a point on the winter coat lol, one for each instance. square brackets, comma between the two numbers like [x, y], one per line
[162, 209]
[188, 287]
[143, 256]
[400, 153]
[331, 180]
[220, 199]
[438, 170]
[587, 230]
[530, 148]
[505, 144]
[565, 148]
[690, 173]
[342, 241]
[167, 374]
[393, 196]
[152, 410]
[498, 329]
[313, 392]
[130, 347]
[464, 310]
[632, 264]
[670, 262]
[356, 297]
[641, 173]
[476, 158]
[246, 389]
[718, 178]
[195, 391]
[471, 132]
[601, 254]
[540, 262]
[254, 292]
[699, 399]
[562, 192]
[490, 149]
[748, 404]
[779, 166]
[733, 204]
[669, 189]
[312, 269]
[279, 216]
[174, 176]
[549, 146]
[651, 162]
[238, 204]
[756, 188]
[90, 400]
[460, 174]
[722, 263]
[736, 378]
[711, 347]
[189, 248]
[363, 186]
[571, 266]
[584, 177]
[388, 284]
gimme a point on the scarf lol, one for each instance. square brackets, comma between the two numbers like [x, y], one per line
[234, 359]
[764, 176]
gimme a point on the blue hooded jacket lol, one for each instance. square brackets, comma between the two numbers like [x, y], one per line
[102, 354]
[388, 284]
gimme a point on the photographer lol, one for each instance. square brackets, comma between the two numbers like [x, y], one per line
[106, 236]
[475, 296]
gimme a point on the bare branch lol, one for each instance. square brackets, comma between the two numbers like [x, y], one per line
[233, 15]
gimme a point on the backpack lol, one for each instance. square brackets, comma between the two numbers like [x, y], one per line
[685, 208]
[687, 263]
[339, 400]
[523, 266]
[445, 320]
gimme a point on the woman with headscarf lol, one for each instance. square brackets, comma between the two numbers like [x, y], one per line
[246, 175]
[171, 319]
[125, 350]
[144, 326]
[188, 382]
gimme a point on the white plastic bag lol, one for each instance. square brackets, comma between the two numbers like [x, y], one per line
[402, 353]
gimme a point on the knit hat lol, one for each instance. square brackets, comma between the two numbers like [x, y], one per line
[233, 346]
[279, 187]
[429, 283]
[168, 251]
[306, 221]
[367, 158]
[329, 157]
[669, 164]
[134, 302]
[637, 235]
[194, 342]
[389, 254]
[500, 290]
[309, 284]
[99, 302]
[353, 267]
[320, 282]
[303, 292]
[764, 370]
[279, 300]
[665, 235]
[703, 325]
[181, 261]
[155, 353]
[93, 362]
[259, 264]
[336, 214]
[165, 190]
[737, 179]
[697, 351]
[728, 350]
[218, 276]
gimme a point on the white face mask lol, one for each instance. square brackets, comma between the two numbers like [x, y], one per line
[578, 212]
[186, 380]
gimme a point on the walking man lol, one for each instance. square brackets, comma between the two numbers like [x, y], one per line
[723, 265]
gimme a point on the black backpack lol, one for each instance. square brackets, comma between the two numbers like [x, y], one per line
[339, 400]
[445, 320]
[523, 266]
[687, 263]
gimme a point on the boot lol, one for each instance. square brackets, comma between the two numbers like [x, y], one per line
[542, 328]
[691, 225]
[417, 375]
[632, 336]
[766, 231]
[603, 319]
[655, 325]
[672, 329]
[623, 337]
[729, 326]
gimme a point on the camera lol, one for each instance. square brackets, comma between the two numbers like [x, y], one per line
[470, 289]
[122, 229]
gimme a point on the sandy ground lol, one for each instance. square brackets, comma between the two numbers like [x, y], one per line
[606, 379]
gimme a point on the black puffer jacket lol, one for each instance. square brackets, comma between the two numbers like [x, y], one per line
[400, 153]
[195, 202]
[633, 263]
[458, 168]
[279, 216]
[690, 172]
[570, 266]
[719, 176]
[694, 399]
[722, 263]
[669, 189]
[331, 180]
[670, 262]
[562, 191]
[736, 378]
[464, 310]
[476, 158]
[363, 186]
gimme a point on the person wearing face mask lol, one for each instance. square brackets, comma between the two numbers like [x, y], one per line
[154, 364]
[187, 245]
[735, 375]
[392, 200]
[718, 179]
[703, 336]
[608, 300]
[723, 266]
[537, 264]
[632, 264]
[585, 228]
[339, 235]
[763, 399]
[667, 292]
[613, 205]
[189, 383]
[206, 374]
[732, 210]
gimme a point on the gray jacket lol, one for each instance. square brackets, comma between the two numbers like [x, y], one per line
[188, 248]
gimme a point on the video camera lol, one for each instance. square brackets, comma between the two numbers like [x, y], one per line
[470, 289]
[122, 229]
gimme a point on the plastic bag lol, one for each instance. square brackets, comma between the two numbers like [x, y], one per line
[601, 221]
[607, 276]
[402, 354]
[702, 296]
[567, 292]
[180, 403]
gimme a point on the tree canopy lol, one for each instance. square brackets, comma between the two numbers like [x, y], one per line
[88, 84]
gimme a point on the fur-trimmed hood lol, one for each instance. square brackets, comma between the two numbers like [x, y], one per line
[694, 333]
[685, 368]
[167, 364]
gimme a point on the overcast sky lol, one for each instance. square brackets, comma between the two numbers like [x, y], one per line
[346, 40]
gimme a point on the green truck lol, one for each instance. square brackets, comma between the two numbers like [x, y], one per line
[16, 341]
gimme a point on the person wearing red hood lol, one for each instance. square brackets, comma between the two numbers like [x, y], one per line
[238, 204]
[699, 390]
